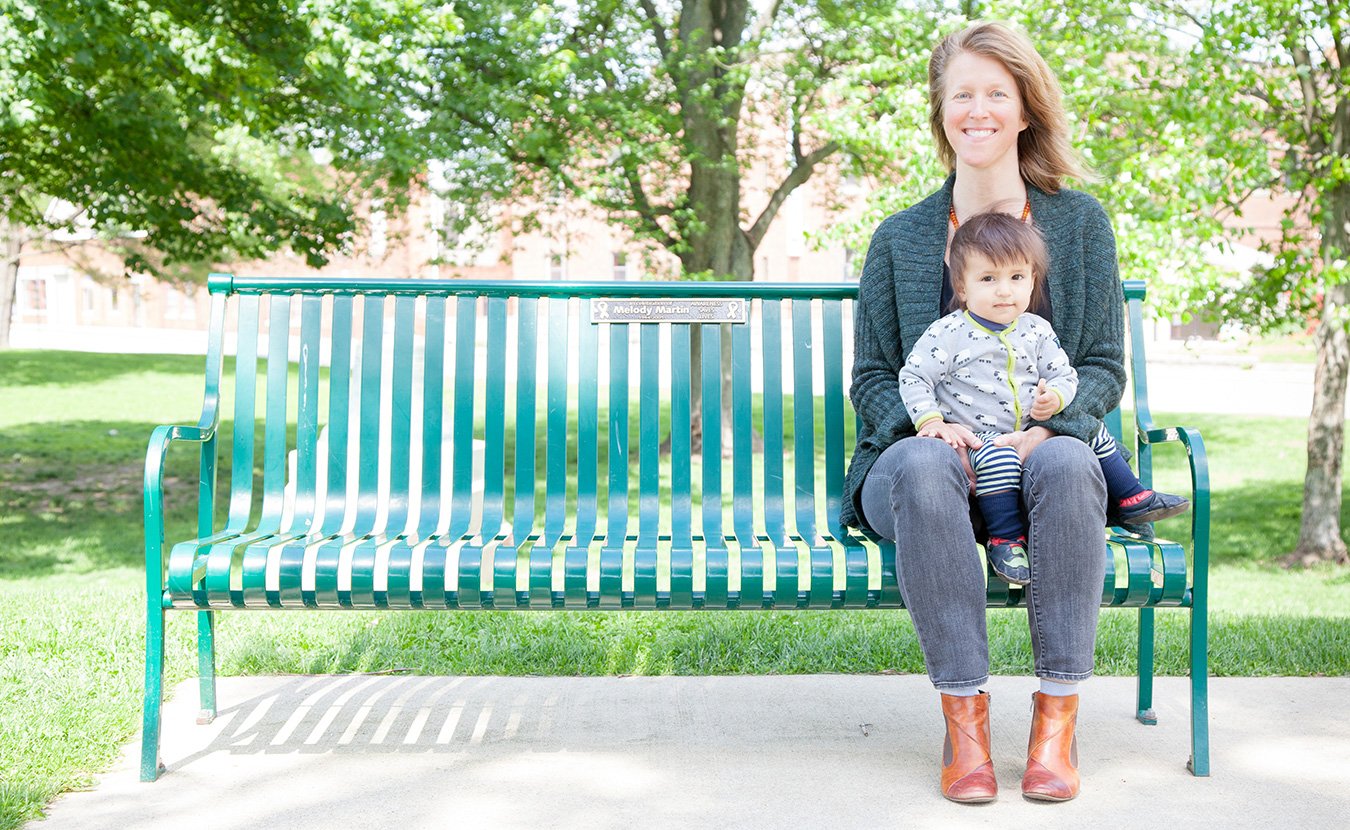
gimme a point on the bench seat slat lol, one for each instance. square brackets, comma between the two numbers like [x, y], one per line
[345, 571]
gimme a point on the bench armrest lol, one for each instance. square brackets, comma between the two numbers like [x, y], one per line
[1150, 434]
[1200, 508]
[160, 440]
[1198, 461]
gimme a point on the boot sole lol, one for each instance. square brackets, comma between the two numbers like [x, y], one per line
[1157, 515]
[984, 799]
[1045, 797]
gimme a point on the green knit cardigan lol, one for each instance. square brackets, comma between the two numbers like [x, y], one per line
[900, 291]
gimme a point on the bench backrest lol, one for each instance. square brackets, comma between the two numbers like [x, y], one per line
[542, 436]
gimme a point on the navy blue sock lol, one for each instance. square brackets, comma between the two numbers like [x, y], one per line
[1121, 482]
[1003, 514]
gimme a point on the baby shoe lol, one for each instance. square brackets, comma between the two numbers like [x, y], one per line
[1152, 506]
[1008, 558]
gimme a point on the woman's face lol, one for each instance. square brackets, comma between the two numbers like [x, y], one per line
[982, 112]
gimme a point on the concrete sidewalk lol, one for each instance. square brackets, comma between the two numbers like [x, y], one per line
[820, 751]
[1179, 384]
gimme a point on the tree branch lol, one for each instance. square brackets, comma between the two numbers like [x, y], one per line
[794, 179]
[1303, 61]
[1180, 10]
[658, 28]
[764, 21]
[646, 212]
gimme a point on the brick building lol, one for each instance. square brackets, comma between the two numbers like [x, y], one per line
[60, 304]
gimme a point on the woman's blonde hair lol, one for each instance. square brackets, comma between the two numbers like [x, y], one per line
[1044, 152]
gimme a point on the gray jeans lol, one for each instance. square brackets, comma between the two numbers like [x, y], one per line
[917, 493]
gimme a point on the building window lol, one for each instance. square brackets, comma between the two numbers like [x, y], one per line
[620, 266]
[852, 264]
[178, 304]
[87, 295]
[444, 216]
[379, 229]
[556, 271]
[173, 303]
[34, 296]
[461, 239]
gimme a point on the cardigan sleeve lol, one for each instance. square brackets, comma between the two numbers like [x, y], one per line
[1099, 357]
[875, 391]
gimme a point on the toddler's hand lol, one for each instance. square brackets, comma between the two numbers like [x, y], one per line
[958, 438]
[1045, 404]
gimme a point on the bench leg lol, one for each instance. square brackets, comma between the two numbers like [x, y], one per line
[151, 766]
[1199, 763]
[1144, 691]
[206, 665]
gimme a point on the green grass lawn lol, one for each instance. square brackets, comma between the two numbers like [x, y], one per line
[73, 428]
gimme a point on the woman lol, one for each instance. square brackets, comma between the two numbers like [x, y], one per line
[999, 125]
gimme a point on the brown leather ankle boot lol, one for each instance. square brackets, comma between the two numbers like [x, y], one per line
[967, 771]
[1052, 753]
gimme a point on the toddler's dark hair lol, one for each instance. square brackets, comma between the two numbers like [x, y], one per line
[1000, 238]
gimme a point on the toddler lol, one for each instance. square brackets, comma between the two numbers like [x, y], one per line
[990, 367]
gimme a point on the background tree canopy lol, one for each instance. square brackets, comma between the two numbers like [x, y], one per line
[181, 132]
[654, 111]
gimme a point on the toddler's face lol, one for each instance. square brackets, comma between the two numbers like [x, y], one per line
[998, 293]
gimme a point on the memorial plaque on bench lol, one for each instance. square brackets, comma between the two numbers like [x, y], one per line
[643, 310]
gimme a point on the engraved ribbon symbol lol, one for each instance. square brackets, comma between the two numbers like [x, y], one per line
[602, 310]
[733, 310]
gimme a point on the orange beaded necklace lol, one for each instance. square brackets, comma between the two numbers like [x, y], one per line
[1026, 213]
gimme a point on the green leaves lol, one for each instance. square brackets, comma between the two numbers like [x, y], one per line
[1260, 88]
[183, 130]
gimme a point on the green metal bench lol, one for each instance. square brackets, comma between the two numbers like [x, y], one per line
[454, 444]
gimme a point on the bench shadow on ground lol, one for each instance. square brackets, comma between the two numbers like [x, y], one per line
[531, 752]
[372, 713]
[379, 714]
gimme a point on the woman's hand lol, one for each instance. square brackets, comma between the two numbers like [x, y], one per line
[1025, 441]
[958, 437]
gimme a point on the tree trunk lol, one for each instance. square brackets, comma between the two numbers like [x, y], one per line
[9, 277]
[711, 111]
[1319, 535]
